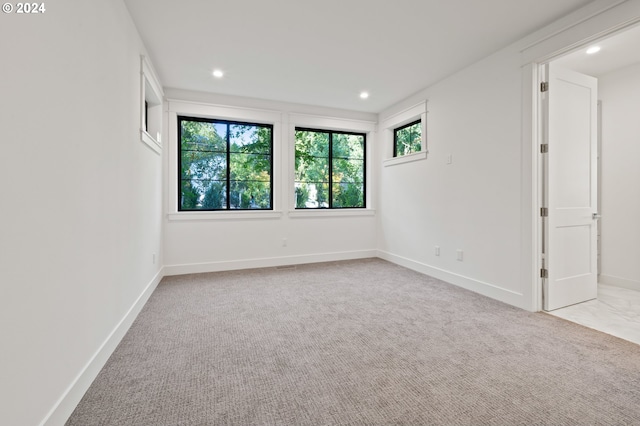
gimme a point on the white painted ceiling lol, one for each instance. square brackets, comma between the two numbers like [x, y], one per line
[325, 52]
[617, 51]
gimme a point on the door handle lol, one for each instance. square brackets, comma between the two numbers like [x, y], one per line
[596, 216]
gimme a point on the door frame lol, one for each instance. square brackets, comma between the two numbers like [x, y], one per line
[571, 36]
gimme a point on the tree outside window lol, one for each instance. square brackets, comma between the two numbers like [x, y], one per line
[224, 165]
[329, 169]
[407, 139]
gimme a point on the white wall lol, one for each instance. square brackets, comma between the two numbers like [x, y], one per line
[212, 241]
[620, 160]
[81, 202]
[485, 201]
[472, 204]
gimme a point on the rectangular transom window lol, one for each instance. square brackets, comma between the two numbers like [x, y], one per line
[407, 139]
[329, 169]
[224, 165]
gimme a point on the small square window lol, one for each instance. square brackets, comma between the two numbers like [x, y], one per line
[407, 139]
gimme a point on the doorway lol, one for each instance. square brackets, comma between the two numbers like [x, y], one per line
[618, 61]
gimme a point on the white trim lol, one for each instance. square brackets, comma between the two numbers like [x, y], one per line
[149, 77]
[331, 123]
[530, 228]
[74, 393]
[619, 282]
[405, 116]
[223, 112]
[225, 215]
[315, 213]
[596, 20]
[399, 119]
[232, 265]
[150, 141]
[483, 288]
[150, 74]
[416, 156]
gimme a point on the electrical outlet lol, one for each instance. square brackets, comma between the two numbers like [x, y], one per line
[459, 254]
[154, 258]
[449, 158]
[437, 250]
[284, 242]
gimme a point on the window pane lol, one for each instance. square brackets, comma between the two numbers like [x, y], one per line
[250, 167]
[348, 170]
[348, 146]
[250, 195]
[203, 136]
[312, 195]
[249, 138]
[203, 165]
[348, 195]
[311, 144]
[408, 139]
[203, 195]
[313, 170]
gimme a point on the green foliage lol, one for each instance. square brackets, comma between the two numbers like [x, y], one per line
[312, 169]
[203, 165]
[302, 196]
[189, 196]
[348, 195]
[214, 196]
[408, 139]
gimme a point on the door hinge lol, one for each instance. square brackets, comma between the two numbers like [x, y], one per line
[544, 212]
[544, 148]
[544, 273]
[544, 86]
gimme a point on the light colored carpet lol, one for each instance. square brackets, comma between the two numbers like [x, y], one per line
[355, 343]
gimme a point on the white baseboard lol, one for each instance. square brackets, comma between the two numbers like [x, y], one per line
[74, 393]
[486, 289]
[268, 262]
[619, 282]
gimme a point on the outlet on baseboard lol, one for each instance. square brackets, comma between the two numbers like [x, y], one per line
[459, 254]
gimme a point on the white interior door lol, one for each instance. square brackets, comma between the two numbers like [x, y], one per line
[571, 188]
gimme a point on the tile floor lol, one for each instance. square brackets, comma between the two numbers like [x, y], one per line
[616, 312]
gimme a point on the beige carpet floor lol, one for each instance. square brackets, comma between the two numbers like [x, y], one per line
[355, 343]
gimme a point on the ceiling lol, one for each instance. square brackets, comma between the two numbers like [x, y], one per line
[617, 51]
[325, 52]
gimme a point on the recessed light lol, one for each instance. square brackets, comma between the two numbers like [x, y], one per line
[364, 95]
[218, 73]
[593, 49]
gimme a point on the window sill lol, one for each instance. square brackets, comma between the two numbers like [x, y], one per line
[405, 159]
[224, 215]
[302, 213]
[150, 141]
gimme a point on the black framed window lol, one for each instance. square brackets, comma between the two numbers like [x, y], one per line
[224, 165]
[407, 139]
[329, 169]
